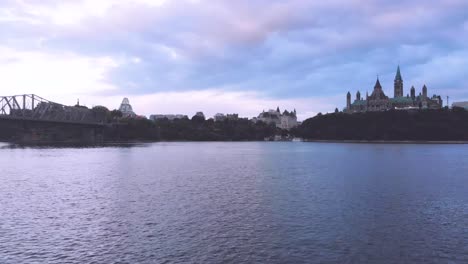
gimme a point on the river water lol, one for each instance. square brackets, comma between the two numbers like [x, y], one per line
[252, 202]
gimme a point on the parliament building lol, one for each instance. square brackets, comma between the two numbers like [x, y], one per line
[378, 101]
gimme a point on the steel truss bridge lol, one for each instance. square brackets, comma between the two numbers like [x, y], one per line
[35, 108]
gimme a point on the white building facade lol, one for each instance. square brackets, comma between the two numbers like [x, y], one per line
[168, 116]
[126, 108]
[285, 120]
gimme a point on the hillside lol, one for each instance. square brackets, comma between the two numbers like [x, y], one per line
[421, 125]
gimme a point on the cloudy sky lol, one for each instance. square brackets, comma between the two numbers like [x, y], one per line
[243, 56]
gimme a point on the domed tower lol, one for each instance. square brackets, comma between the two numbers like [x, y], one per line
[348, 101]
[413, 93]
[126, 108]
[358, 96]
[398, 84]
[424, 91]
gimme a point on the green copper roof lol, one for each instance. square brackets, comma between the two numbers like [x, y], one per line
[401, 100]
[359, 102]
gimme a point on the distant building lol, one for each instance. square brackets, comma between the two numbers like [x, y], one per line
[460, 104]
[378, 101]
[219, 117]
[169, 117]
[126, 108]
[285, 120]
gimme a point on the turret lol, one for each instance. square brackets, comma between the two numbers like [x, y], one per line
[424, 91]
[358, 96]
[348, 101]
[278, 110]
[413, 93]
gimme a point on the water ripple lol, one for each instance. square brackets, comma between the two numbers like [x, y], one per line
[235, 203]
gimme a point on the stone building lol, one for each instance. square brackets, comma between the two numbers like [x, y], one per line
[378, 101]
[460, 104]
[285, 120]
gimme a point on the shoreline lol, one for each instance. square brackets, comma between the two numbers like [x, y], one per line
[419, 142]
[136, 142]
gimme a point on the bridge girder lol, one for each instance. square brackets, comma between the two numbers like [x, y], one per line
[31, 106]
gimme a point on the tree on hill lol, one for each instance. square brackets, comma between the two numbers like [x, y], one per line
[115, 114]
[435, 125]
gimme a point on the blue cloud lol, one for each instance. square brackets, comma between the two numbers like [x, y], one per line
[282, 49]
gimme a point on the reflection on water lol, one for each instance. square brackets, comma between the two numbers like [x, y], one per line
[269, 202]
[5, 145]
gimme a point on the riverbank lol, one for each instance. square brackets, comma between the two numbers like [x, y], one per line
[137, 143]
[66, 144]
[422, 142]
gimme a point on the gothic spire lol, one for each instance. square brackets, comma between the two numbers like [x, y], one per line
[398, 74]
[377, 84]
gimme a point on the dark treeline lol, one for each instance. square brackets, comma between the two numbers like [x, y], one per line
[198, 129]
[422, 125]
[195, 129]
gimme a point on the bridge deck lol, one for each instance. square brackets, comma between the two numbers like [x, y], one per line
[8, 117]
